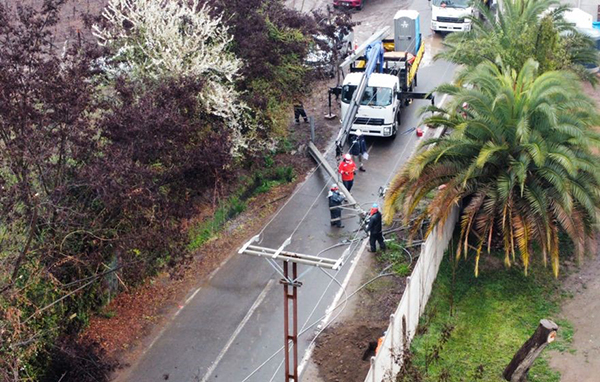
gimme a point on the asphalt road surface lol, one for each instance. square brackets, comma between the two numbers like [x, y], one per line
[228, 328]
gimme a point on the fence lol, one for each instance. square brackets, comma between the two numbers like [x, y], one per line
[403, 323]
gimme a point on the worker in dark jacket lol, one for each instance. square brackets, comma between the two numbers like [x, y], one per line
[358, 148]
[375, 230]
[299, 111]
[335, 199]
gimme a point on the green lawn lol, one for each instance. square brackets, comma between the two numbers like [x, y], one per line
[493, 315]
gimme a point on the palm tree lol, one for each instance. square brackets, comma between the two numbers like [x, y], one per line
[519, 159]
[523, 29]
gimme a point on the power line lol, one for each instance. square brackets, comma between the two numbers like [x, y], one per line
[318, 321]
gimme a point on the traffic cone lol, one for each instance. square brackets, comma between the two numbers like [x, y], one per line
[419, 132]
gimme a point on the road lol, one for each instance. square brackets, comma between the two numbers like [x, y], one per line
[228, 328]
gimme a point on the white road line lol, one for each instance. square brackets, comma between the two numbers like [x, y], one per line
[330, 310]
[237, 331]
[308, 352]
[210, 277]
[181, 307]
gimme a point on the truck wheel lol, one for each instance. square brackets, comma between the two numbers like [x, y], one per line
[398, 122]
[394, 133]
[362, 4]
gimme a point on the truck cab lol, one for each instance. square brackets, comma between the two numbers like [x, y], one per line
[451, 15]
[377, 113]
[386, 87]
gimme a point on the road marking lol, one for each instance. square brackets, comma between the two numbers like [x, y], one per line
[308, 352]
[237, 331]
[181, 307]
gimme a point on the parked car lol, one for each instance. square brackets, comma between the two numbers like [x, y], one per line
[356, 4]
[320, 55]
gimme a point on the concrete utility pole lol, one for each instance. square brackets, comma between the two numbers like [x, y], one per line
[293, 337]
[289, 282]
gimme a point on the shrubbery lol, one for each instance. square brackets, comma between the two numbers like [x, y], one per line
[100, 162]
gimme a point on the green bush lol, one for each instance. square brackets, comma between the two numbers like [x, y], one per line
[260, 182]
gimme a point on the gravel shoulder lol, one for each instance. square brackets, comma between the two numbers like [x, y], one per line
[583, 311]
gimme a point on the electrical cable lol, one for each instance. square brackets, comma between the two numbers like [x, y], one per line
[332, 277]
[340, 311]
[351, 241]
[319, 320]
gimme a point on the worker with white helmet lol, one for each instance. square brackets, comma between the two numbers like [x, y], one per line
[358, 148]
[347, 169]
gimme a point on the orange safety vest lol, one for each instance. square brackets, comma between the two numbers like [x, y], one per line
[379, 343]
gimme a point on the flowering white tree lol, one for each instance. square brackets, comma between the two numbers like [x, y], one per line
[159, 38]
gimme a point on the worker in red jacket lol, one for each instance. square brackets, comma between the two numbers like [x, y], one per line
[347, 169]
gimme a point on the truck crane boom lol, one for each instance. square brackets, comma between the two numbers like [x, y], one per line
[374, 56]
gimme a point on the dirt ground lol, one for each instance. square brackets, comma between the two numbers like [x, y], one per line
[583, 311]
[343, 351]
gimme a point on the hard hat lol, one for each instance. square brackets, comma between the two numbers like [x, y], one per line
[465, 105]
[358, 133]
[347, 157]
[375, 205]
[334, 187]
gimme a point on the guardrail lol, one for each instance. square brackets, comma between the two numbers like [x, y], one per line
[403, 323]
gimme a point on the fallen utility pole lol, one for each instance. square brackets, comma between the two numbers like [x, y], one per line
[320, 159]
[272, 255]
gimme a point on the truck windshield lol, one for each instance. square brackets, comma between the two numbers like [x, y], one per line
[374, 96]
[451, 3]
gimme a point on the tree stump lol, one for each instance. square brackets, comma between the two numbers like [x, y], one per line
[517, 369]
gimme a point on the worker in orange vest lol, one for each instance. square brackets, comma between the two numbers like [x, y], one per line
[379, 343]
[347, 169]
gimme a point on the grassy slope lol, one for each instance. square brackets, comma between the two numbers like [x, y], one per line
[494, 315]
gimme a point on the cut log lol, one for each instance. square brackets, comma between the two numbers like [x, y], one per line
[517, 369]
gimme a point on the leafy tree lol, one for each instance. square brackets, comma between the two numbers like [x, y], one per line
[162, 39]
[273, 40]
[522, 29]
[162, 152]
[89, 182]
[518, 160]
[46, 138]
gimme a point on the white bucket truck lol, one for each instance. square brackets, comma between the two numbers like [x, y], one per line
[381, 81]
